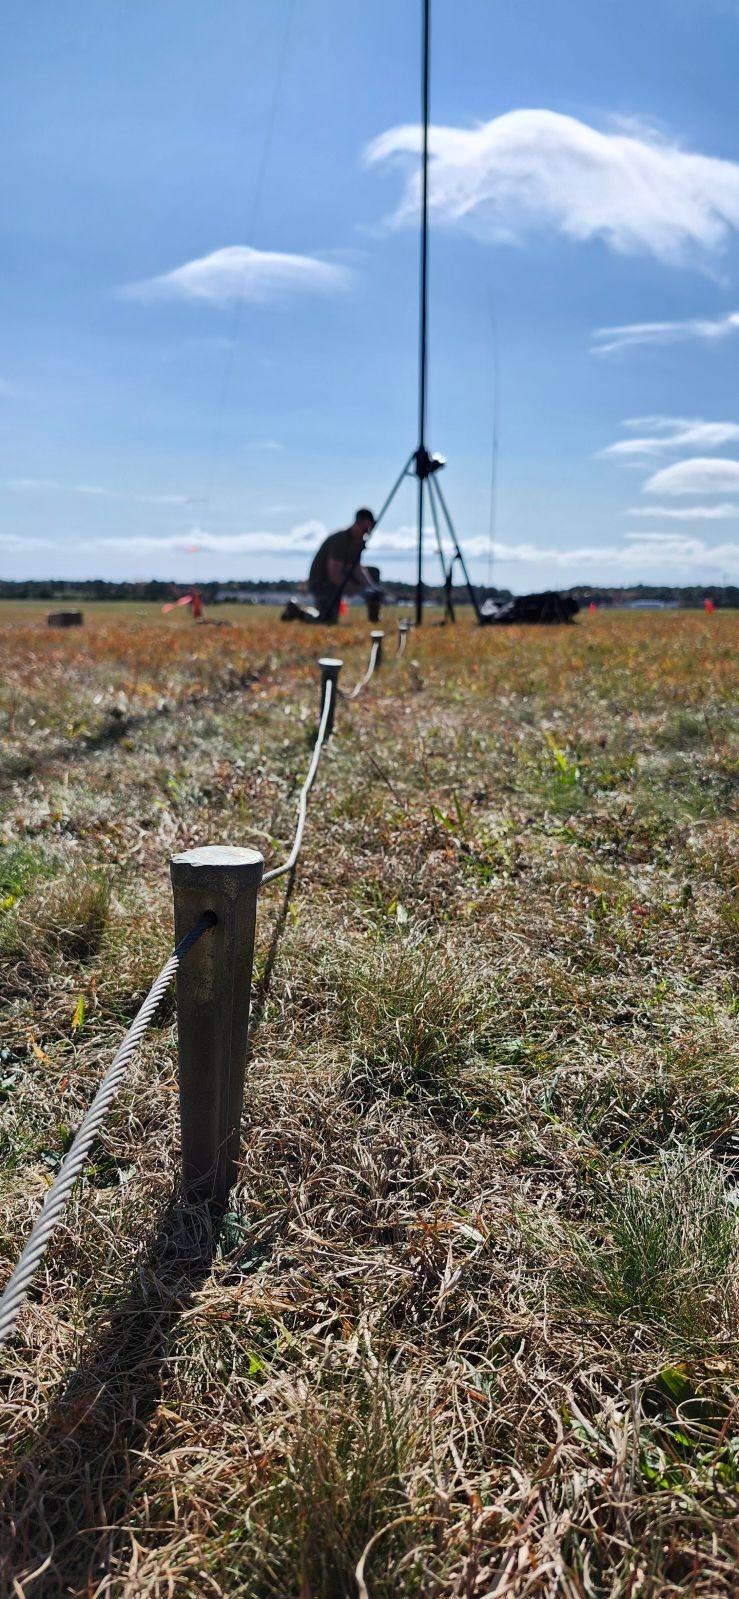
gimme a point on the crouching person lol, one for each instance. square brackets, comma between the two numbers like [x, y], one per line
[337, 569]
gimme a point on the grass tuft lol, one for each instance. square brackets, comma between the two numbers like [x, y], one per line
[342, 1487]
[669, 1251]
[416, 1024]
[67, 918]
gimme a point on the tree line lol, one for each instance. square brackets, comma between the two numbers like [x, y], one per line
[156, 590]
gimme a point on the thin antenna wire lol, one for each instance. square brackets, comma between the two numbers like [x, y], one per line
[217, 445]
[495, 371]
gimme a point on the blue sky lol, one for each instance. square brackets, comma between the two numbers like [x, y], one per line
[208, 273]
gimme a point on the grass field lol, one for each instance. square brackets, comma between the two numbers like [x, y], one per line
[470, 1325]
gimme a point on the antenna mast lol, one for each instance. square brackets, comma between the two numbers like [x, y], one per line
[420, 463]
[423, 297]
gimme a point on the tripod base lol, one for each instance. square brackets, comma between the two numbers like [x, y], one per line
[425, 468]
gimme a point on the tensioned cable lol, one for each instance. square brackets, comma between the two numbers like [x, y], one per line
[281, 871]
[55, 1203]
[495, 373]
[217, 443]
[56, 1200]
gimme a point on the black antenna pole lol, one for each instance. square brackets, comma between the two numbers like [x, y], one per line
[423, 329]
[424, 465]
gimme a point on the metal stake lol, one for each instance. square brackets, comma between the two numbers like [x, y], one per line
[213, 996]
[330, 668]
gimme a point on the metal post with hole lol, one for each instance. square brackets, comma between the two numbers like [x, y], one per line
[213, 998]
[330, 668]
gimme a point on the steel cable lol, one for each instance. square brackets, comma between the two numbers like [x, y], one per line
[281, 871]
[55, 1203]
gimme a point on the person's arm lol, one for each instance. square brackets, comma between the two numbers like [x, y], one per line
[335, 570]
[360, 578]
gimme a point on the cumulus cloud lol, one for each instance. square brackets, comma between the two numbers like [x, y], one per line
[674, 433]
[638, 192]
[241, 273]
[607, 340]
[699, 475]
[688, 513]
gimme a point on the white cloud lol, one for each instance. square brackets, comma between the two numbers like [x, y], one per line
[675, 434]
[34, 485]
[264, 444]
[626, 337]
[641, 552]
[301, 539]
[30, 485]
[688, 513]
[645, 551]
[638, 192]
[165, 499]
[660, 424]
[15, 544]
[240, 273]
[700, 475]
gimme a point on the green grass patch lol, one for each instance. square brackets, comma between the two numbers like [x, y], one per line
[666, 1253]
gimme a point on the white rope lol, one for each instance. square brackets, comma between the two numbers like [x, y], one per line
[370, 672]
[55, 1203]
[281, 871]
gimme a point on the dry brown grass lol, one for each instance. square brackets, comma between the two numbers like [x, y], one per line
[470, 1323]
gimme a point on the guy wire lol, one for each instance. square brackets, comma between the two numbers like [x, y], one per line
[217, 444]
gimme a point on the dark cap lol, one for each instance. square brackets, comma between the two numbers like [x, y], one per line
[363, 515]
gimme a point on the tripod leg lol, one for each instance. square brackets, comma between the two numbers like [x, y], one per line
[391, 496]
[448, 593]
[447, 576]
[435, 489]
